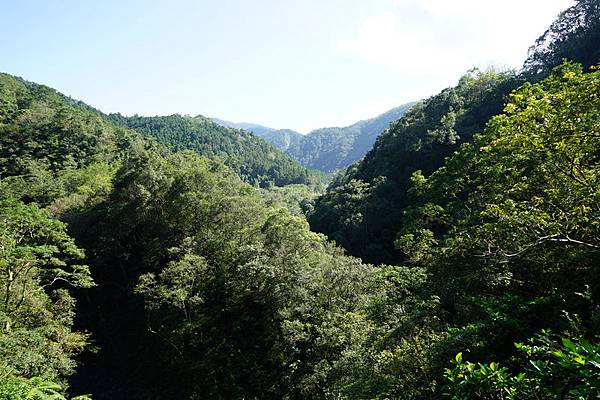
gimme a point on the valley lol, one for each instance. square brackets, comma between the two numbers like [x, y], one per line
[446, 249]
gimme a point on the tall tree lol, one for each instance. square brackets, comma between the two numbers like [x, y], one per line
[39, 265]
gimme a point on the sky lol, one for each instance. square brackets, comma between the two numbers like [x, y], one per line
[297, 64]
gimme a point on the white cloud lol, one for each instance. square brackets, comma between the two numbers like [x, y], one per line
[429, 35]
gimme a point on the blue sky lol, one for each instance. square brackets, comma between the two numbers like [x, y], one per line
[299, 64]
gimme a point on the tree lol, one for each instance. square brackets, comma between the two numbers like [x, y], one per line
[573, 36]
[38, 266]
[509, 227]
[239, 299]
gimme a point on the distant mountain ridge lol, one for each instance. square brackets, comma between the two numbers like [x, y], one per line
[326, 149]
[257, 129]
[256, 161]
[283, 139]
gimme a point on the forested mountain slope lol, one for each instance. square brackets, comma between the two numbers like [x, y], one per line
[363, 206]
[44, 136]
[574, 36]
[362, 209]
[43, 129]
[257, 161]
[280, 138]
[283, 139]
[327, 149]
[509, 229]
[51, 131]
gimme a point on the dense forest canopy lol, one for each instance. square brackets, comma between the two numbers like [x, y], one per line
[44, 130]
[139, 260]
[212, 263]
[363, 206]
[573, 36]
[258, 162]
[280, 138]
[509, 230]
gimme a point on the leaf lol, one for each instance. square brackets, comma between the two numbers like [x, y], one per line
[569, 345]
[535, 365]
[579, 360]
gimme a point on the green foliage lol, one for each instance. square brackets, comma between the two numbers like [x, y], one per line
[574, 36]
[295, 198]
[33, 389]
[399, 340]
[38, 263]
[40, 128]
[509, 226]
[524, 197]
[483, 381]
[256, 161]
[213, 263]
[47, 138]
[553, 370]
[365, 222]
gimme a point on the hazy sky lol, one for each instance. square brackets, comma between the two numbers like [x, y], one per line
[298, 64]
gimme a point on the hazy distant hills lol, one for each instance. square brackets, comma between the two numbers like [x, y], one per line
[325, 149]
[280, 138]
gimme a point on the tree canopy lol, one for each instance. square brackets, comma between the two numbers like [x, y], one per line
[574, 36]
[256, 161]
[363, 206]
